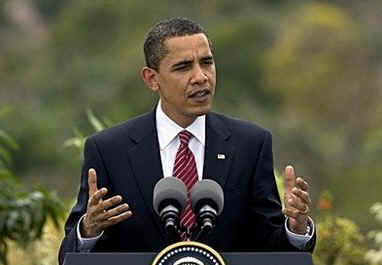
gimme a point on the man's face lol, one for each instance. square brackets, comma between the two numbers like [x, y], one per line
[186, 78]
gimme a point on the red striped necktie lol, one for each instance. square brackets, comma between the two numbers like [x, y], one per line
[185, 169]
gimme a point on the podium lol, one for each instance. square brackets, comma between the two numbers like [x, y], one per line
[230, 258]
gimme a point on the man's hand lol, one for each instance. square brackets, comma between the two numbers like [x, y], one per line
[297, 202]
[100, 213]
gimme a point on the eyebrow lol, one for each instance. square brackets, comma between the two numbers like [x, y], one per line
[208, 57]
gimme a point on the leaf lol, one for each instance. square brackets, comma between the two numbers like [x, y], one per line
[5, 156]
[75, 141]
[94, 121]
[108, 122]
[7, 175]
[8, 140]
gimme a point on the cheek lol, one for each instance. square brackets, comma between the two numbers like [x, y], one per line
[177, 92]
[213, 83]
[176, 88]
[180, 87]
[212, 76]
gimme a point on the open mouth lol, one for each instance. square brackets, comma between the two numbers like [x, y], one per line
[200, 93]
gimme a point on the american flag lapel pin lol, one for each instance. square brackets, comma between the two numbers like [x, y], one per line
[221, 156]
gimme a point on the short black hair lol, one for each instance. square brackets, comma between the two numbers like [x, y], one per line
[154, 47]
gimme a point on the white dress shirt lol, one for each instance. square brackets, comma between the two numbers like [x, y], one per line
[169, 143]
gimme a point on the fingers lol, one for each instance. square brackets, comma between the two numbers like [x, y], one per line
[92, 227]
[119, 218]
[115, 219]
[302, 184]
[97, 197]
[107, 204]
[104, 214]
[290, 178]
[302, 195]
[114, 216]
[116, 211]
[296, 208]
[297, 201]
[291, 182]
[298, 205]
[296, 214]
[92, 182]
[98, 206]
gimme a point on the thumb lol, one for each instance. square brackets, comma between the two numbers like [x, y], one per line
[290, 178]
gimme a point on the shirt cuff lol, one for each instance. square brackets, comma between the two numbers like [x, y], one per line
[86, 244]
[297, 240]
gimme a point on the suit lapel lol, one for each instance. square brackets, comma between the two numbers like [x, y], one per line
[145, 160]
[146, 163]
[219, 151]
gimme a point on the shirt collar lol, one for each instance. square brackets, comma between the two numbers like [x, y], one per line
[168, 129]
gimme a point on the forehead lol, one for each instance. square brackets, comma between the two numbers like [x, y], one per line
[187, 47]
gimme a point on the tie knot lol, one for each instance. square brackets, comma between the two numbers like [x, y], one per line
[184, 137]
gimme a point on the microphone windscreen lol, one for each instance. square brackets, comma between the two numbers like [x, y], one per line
[169, 189]
[207, 189]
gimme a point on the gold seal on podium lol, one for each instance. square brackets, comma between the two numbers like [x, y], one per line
[188, 253]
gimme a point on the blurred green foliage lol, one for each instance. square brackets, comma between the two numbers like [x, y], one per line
[22, 214]
[339, 239]
[374, 256]
[78, 141]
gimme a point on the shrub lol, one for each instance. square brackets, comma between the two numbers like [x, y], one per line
[375, 255]
[339, 241]
[23, 215]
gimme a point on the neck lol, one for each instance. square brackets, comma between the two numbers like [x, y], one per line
[182, 120]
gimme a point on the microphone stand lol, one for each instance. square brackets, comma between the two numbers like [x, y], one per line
[205, 222]
[199, 232]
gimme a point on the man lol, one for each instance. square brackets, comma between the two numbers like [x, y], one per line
[122, 164]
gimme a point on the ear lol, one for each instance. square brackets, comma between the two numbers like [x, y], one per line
[150, 77]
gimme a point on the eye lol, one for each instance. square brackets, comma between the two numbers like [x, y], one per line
[183, 67]
[208, 61]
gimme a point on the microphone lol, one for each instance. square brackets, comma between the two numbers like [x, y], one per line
[169, 200]
[207, 200]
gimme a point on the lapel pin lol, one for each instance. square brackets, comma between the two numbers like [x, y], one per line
[221, 156]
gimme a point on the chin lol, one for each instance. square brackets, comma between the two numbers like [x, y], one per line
[198, 110]
[203, 111]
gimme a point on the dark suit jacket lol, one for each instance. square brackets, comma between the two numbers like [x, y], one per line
[127, 161]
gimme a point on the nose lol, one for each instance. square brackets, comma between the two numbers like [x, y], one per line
[199, 76]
